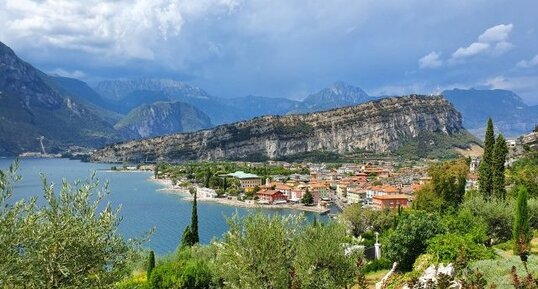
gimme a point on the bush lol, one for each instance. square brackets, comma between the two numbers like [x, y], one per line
[376, 265]
[497, 214]
[447, 247]
[186, 271]
[409, 239]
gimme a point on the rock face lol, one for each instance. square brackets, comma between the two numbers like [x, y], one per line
[32, 107]
[162, 118]
[378, 126]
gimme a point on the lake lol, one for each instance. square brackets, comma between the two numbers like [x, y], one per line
[143, 204]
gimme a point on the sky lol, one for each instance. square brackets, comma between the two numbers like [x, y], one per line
[283, 48]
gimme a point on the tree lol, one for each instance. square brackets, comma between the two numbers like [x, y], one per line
[69, 240]
[486, 165]
[194, 221]
[522, 233]
[151, 263]
[320, 261]
[257, 251]
[500, 152]
[409, 238]
[307, 199]
[186, 238]
[447, 187]
[190, 234]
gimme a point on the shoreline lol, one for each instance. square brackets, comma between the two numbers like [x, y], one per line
[167, 186]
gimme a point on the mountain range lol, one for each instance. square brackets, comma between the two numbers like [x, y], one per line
[68, 112]
[379, 126]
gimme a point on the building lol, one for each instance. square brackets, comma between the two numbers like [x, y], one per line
[247, 181]
[390, 201]
[271, 196]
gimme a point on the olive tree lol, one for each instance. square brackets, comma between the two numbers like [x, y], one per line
[69, 240]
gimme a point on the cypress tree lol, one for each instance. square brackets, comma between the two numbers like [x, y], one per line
[486, 166]
[186, 238]
[194, 222]
[522, 233]
[151, 263]
[500, 152]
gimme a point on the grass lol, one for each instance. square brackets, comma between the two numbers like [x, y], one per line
[372, 278]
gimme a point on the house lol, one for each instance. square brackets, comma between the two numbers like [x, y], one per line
[271, 196]
[390, 201]
[247, 181]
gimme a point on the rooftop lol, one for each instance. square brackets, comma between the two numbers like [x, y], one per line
[242, 175]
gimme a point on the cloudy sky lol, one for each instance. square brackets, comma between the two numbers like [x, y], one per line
[283, 48]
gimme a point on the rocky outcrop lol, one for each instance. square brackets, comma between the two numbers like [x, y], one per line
[379, 126]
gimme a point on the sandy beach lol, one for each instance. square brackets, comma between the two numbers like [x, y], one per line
[168, 187]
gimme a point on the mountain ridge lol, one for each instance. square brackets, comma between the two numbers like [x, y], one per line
[380, 126]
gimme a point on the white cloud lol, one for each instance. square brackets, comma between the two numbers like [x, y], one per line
[431, 60]
[492, 41]
[473, 49]
[123, 28]
[496, 33]
[528, 63]
[65, 73]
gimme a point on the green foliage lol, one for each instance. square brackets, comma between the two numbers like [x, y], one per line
[497, 214]
[194, 221]
[257, 252]
[307, 198]
[487, 164]
[524, 172]
[320, 261]
[150, 263]
[70, 241]
[427, 199]
[447, 187]
[500, 152]
[497, 271]
[362, 221]
[522, 233]
[447, 247]
[283, 252]
[408, 239]
[189, 269]
[434, 145]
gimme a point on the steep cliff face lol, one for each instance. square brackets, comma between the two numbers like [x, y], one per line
[379, 126]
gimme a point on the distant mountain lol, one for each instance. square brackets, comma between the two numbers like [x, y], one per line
[510, 114]
[337, 95]
[32, 106]
[162, 118]
[126, 95]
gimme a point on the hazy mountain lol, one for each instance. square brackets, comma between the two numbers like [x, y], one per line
[162, 118]
[126, 95]
[510, 114]
[32, 107]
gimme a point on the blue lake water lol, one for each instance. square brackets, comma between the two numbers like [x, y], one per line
[143, 204]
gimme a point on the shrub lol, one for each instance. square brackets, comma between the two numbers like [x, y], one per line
[409, 239]
[497, 214]
[447, 247]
